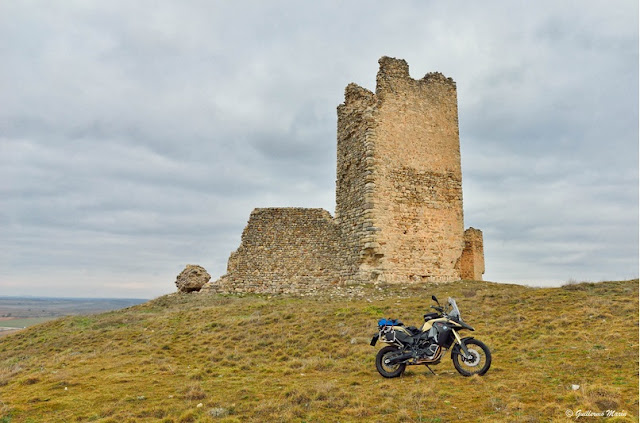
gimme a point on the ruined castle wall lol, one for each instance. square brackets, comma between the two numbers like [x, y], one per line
[355, 177]
[412, 196]
[285, 250]
[399, 215]
[472, 259]
[420, 187]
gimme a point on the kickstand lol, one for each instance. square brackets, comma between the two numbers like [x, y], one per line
[431, 370]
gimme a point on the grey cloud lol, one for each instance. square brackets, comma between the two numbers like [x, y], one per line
[130, 146]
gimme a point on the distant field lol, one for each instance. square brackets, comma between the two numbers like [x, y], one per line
[42, 307]
[24, 322]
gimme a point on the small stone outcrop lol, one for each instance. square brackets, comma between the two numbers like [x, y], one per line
[192, 278]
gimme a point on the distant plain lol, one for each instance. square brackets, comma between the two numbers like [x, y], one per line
[22, 312]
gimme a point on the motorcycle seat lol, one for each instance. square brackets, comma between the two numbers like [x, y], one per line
[430, 316]
[413, 330]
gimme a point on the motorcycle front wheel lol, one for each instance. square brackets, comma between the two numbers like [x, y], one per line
[387, 370]
[477, 364]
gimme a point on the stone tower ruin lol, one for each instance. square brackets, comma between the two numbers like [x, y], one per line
[399, 216]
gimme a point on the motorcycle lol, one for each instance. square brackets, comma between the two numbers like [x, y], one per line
[408, 345]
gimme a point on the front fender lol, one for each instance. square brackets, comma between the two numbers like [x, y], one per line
[456, 348]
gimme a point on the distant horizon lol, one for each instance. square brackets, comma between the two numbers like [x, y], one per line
[527, 283]
[47, 297]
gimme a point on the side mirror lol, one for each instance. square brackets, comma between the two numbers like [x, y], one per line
[433, 297]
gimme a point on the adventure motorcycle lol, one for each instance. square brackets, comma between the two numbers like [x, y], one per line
[410, 345]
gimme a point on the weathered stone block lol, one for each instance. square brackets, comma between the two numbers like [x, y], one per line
[472, 259]
[192, 278]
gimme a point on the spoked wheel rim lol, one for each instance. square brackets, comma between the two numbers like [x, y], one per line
[386, 369]
[389, 368]
[475, 363]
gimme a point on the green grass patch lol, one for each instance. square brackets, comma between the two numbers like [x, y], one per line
[374, 310]
[24, 323]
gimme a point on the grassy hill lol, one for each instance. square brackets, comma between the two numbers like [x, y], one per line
[196, 357]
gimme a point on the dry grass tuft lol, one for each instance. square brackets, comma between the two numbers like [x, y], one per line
[8, 372]
[194, 392]
[602, 398]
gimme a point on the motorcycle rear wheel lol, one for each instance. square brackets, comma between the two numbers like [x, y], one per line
[478, 364]
[386, 370]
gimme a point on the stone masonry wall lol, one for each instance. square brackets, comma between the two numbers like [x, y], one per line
[402, 216]
[472, 259]
[355, 182]
[285, 250]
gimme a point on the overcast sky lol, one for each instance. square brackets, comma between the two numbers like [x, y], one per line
[136, 137]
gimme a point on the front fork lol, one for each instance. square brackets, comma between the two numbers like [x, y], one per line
[462, 345]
